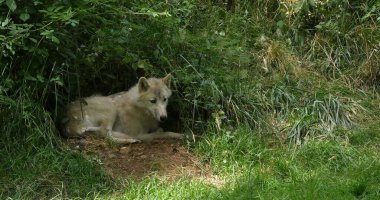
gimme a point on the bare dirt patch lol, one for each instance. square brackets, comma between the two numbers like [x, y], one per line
[167, 159]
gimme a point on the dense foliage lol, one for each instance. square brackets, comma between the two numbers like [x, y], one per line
[292, 69]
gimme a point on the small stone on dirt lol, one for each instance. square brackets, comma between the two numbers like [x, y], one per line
[125, 150]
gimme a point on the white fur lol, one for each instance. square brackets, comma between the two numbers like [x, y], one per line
[125, 117]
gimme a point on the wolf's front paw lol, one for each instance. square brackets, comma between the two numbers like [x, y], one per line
[132, 141]
[176, 135]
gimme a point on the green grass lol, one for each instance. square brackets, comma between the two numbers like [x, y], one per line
[284, 94]
[52, 173]
[33, 162]
[250, 167]
[319, 169]
[322, 169]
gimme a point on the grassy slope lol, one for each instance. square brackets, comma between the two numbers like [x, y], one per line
[319, 169]
[257, 162]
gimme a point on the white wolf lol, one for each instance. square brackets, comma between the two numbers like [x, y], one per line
[125, 117]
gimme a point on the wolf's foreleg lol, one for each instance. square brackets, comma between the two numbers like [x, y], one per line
[106, 131]
[121, 138]
[156, 135]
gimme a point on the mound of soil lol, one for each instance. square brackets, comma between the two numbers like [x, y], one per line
[165, 158]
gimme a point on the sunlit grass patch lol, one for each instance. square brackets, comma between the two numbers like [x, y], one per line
[154, 188]
[317, 169]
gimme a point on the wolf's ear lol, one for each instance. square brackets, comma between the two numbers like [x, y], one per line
[143, 84]
[166, 79]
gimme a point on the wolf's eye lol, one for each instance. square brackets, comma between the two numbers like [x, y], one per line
[165, 99]
[153, 101]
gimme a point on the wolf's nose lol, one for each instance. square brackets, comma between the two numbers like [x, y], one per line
[163, 118]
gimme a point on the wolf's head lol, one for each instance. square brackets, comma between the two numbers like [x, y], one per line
[153, 96]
